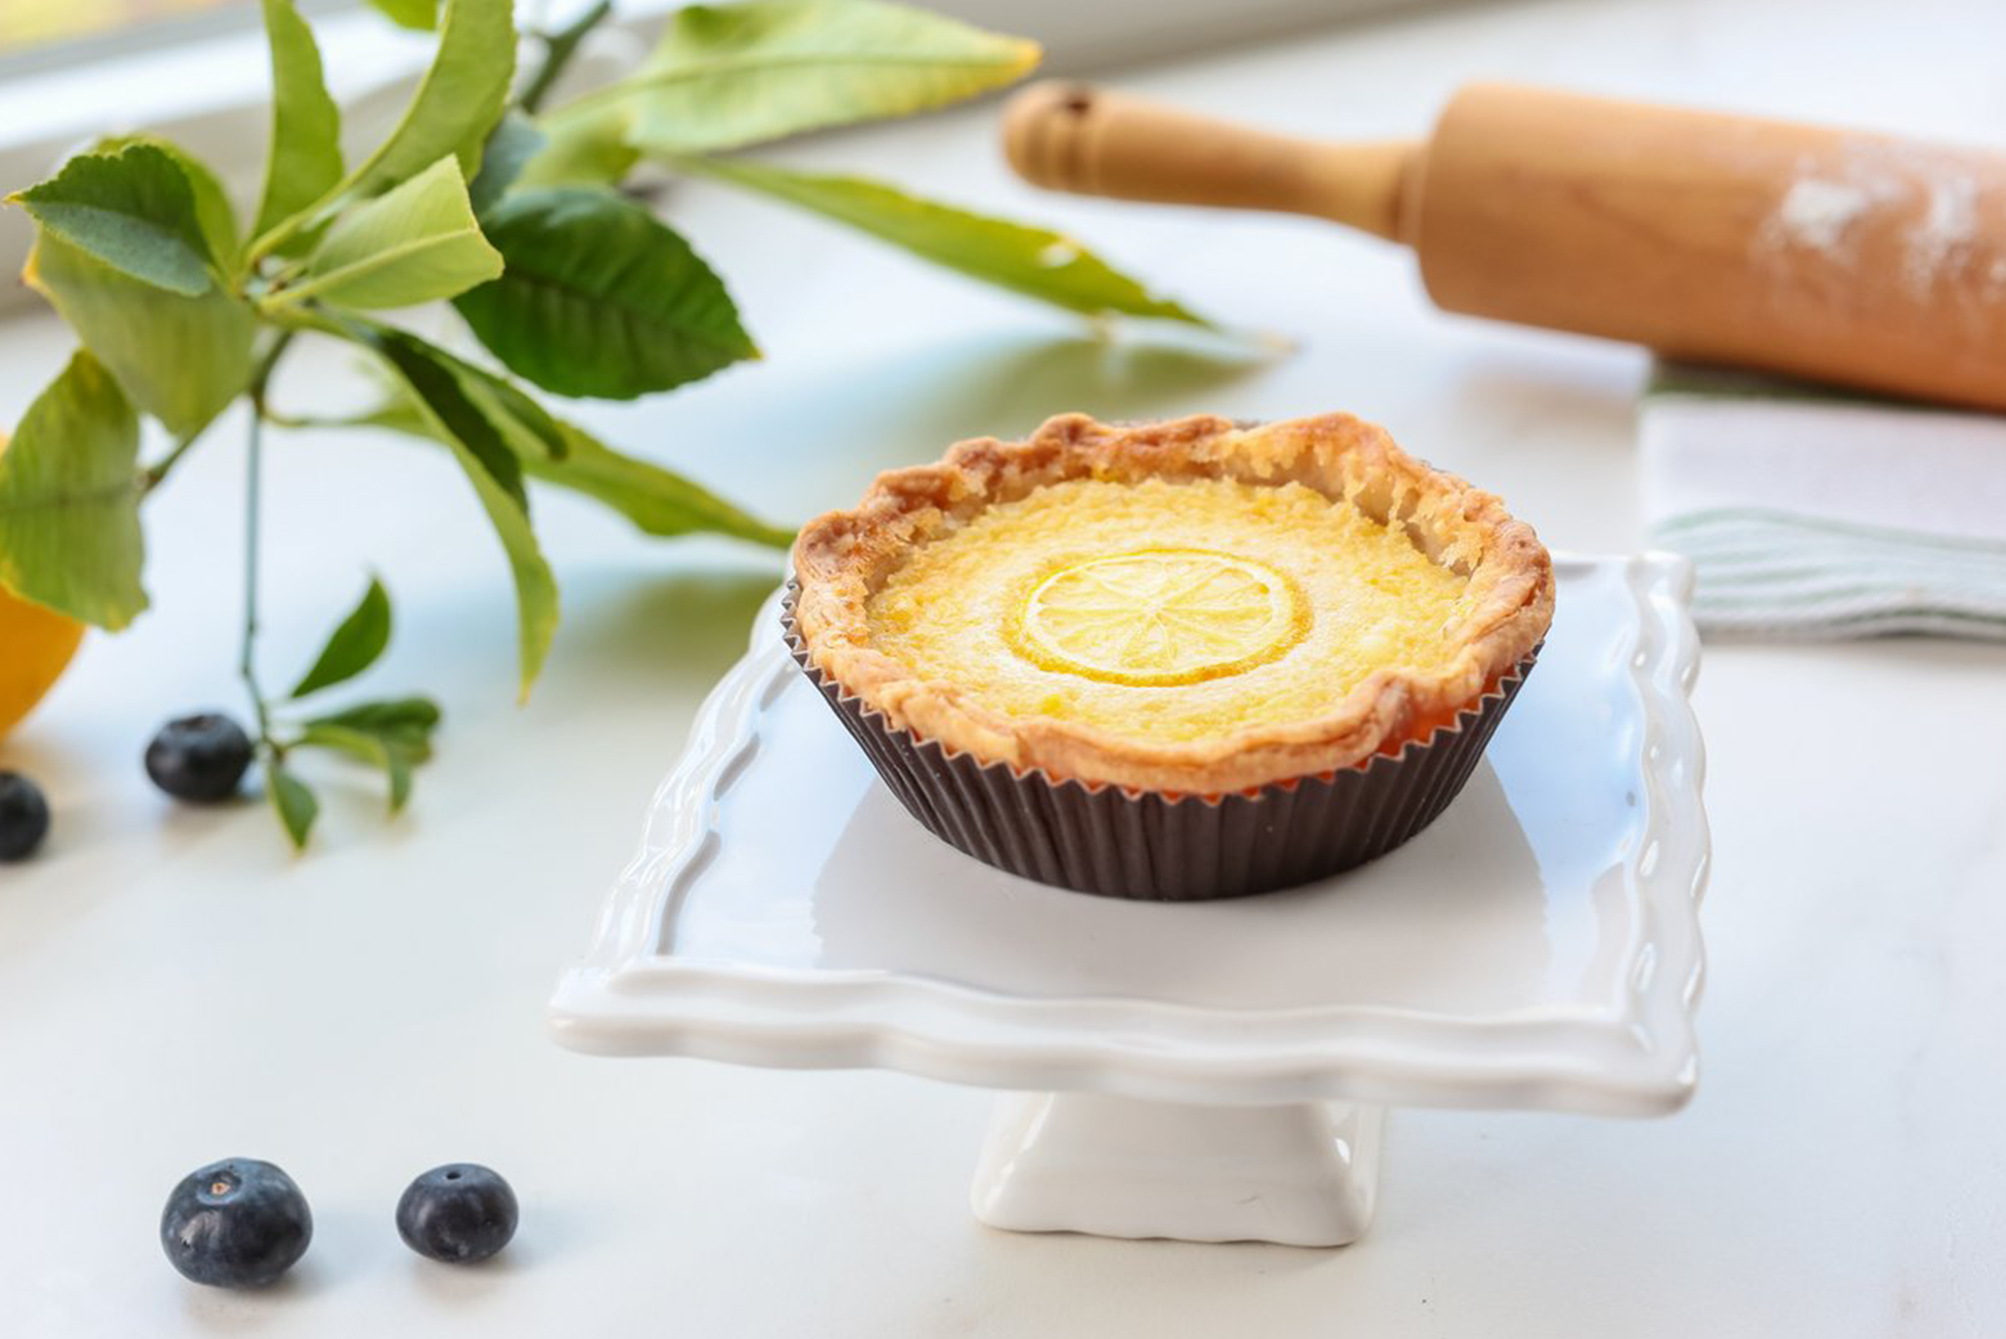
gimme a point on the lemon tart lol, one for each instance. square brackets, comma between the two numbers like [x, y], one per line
[1177, 616]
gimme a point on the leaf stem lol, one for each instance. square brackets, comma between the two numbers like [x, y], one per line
[155, 474]
[558, 49]
[261, 380]
[280, 233]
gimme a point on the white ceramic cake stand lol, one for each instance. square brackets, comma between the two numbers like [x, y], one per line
[1209, 1071]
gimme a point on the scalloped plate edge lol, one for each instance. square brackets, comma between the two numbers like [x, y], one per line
[623, 998]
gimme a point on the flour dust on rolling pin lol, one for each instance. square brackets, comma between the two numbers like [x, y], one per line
[1925, 197]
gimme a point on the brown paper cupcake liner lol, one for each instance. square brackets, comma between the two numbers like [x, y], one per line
[1118, 842]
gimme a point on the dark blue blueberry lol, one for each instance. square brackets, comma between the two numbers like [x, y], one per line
[239, 1223]
[24, 816]
[199, 758]
[458, 1213]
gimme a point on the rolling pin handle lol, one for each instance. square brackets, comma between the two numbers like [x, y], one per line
[1072, 137]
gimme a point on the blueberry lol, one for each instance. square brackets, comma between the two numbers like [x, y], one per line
[24, 816]
[199, 757]
[239, 1223]
[458, 1213]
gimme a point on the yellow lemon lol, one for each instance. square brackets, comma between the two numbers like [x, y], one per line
[35, 647]
[1161, 616]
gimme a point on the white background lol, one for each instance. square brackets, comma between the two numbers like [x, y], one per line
[174, 987]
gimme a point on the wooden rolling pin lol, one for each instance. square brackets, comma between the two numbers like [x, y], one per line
[1831, 254]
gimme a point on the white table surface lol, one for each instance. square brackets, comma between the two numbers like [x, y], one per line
[174, 987]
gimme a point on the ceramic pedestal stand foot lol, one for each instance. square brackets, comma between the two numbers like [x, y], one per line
[1301, 1175]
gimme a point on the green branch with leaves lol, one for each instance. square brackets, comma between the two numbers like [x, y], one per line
[514, 214]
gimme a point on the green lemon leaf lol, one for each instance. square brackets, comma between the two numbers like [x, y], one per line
[292, 801]
[525, 425]
[458, 103]
[180, 359]
[416, 244]
[370, 749]
[429, 375]
[1036, 262]
[404, 723]
[658, 501]
[417, 15]
[69, 500]
[725, 76]
[601, 298]
[304, 161]
[487, 454]
[354, 646]
[586, 147]
[511, 145]
[133, 210]
[213, 214]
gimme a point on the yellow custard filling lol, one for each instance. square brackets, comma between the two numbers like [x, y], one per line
[1167, 611]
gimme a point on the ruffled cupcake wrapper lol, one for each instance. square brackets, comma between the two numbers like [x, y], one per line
[1117, 842]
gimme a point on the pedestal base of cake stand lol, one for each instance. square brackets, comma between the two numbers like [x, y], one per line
[1300, 1175]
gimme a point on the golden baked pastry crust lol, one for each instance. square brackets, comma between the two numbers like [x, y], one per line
[842, 558]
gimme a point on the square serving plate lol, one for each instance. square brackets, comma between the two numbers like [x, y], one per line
[1537, 947]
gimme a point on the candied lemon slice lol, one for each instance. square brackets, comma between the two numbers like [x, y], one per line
[1156, 617]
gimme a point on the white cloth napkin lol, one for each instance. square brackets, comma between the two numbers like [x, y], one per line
[1811, 515]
